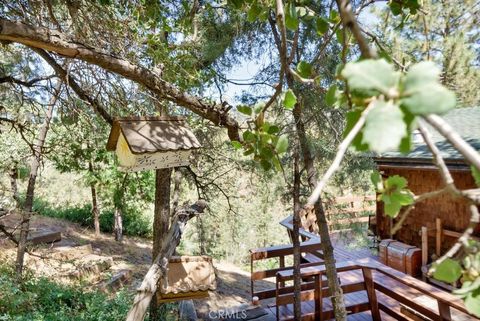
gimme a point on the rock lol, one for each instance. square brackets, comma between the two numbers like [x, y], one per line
[44, 236]
[71, 252]
[118, 280]
[91, 265]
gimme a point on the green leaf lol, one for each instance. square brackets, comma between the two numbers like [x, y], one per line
[245, 110]
[266, 153]
[384, 127]
[376, 179]
[266, 165]
[322, 26]
[248, 136]
[276, 163]
[304, 69]
[236, 144]
[396, 182]
[430, 98]
[282, 144]
[423, 94]
[290, 99]
[403, 198]
[334, 16]
[291, 17]
[352, 118]
[235, 3]
[421, 73]
[253, 12]
[273, 129]
[370, 77]
[448, 271]
[396, 8]
[392, 209]
[472, 303]
[249, 152]
[467, 287]
[330, 96]
[340, 37]
[301, 12]
[476, 175]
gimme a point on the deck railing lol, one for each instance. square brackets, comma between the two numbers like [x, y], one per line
[387, 291]
[280, 253]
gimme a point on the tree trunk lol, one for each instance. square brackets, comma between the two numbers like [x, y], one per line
[118, 224]
[145, 293]
[297, 304]
[331, 272]
[14, 186]
[34, 165]
[160, 222]
[95, 209]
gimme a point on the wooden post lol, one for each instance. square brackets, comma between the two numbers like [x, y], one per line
[318, 297]
[438, 236]
[424, 245]
[444, 311]
[372, 296]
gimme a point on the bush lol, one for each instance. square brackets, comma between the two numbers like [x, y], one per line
[41, 299]
[135, 222]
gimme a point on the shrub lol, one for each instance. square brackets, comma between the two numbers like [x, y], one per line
[39, 299]
[42, 299]
[135, 222]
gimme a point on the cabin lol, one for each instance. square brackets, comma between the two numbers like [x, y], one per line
[373, 288]
[422, 175]
[143, 143]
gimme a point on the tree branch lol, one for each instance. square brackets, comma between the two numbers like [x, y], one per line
[51, 40]
[68, 78]
[342, 149]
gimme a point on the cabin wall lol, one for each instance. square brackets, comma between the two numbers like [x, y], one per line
[452, 211]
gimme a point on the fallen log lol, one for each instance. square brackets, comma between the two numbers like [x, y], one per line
[159, 267]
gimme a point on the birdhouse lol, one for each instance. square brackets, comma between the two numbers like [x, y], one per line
[188, 277]
[143, 143]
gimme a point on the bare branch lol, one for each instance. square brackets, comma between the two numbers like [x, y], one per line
[342, 149]
[349, 21]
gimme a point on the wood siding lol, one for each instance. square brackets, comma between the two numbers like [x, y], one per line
[452, 211]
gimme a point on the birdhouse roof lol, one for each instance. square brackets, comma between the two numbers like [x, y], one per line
[153, 134]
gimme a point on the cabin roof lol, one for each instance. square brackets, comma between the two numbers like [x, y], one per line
[465, 121]
[153, 134]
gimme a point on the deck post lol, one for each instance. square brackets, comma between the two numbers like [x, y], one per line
[318, 297]
[438, 232]
[282, 265]
[277, 293]
[372, 296]
[424, 245]
[251, 273]
[444, 311]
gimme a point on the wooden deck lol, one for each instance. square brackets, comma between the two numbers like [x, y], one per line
[368, 286]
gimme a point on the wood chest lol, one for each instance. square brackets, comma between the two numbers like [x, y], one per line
[400, 256]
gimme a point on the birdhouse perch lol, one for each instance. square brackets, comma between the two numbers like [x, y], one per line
[143, 143]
